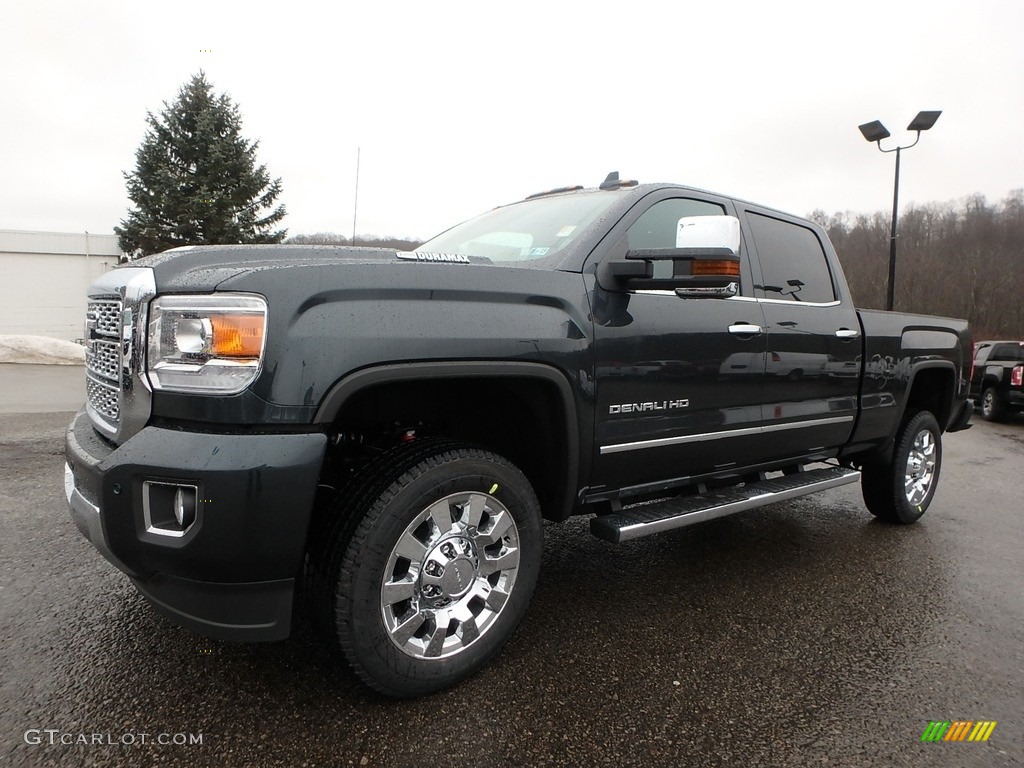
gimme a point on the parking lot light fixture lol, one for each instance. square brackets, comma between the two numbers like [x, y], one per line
[875, 132]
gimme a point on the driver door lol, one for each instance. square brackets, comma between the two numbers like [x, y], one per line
[679, 380]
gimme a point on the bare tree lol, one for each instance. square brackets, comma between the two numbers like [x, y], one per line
[961, 259]
[364, 241]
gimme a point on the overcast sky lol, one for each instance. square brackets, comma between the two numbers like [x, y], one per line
[461, 106]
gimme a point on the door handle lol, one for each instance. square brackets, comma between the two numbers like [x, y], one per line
[846, 333]
[745, 329]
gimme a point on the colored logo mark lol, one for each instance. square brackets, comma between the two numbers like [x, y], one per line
[958, 730]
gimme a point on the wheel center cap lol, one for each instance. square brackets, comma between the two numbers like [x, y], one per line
[458, 577]
[449, 570]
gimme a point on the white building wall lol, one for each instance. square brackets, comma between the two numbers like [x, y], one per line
[43, 279]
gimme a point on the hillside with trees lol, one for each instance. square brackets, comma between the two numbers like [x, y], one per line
[958, 259]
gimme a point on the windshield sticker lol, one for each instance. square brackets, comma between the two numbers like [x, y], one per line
[565, 231]
[539, 251]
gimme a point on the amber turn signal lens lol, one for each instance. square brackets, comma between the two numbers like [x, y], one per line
[237, 335]
[707, 267]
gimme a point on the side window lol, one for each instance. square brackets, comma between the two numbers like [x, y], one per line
[1008, 352]
[793, 263]
[656, 227]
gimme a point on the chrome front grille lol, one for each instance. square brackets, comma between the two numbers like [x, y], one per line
[104, 398]
[102, 358]
[117, 392]
[104, 317]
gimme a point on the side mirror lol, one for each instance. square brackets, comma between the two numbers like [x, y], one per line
[704, 233]
[704, 264]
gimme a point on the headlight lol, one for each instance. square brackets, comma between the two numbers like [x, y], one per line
[212, 343]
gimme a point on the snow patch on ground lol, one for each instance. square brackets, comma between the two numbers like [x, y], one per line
[40, 350]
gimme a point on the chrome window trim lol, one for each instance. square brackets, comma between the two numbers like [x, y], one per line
[754, 299]
[760, 300]
[704, 436]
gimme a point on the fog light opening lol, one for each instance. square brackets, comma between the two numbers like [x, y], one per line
[185, 507]
[168, 508]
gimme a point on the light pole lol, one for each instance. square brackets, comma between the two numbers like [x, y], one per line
[875, 131]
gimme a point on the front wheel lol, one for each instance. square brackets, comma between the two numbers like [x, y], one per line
[901, 491]
[439, 569]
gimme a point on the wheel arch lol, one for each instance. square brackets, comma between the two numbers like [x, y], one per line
[533, 400]
[932, 387]
[989, 381]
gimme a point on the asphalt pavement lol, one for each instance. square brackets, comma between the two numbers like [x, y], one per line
[802, 634]
[41, 388]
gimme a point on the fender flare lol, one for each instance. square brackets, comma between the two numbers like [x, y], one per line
[948, 398]
[883, 453]
[351, 384]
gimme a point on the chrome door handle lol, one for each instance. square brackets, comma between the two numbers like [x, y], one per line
[745, 329]
[846, 333]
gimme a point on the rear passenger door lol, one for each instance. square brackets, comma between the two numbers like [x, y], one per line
[813, 355]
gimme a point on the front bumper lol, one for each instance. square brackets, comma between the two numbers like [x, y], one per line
[232, 574]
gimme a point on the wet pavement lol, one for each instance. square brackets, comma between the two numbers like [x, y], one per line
[805, 633]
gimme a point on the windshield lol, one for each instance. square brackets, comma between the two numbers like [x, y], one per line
[532, 230]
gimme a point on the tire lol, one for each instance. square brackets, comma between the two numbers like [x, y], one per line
[429, 567]
[900, 492]
[992, 408]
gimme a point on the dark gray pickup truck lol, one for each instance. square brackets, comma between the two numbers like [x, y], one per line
[376, 435]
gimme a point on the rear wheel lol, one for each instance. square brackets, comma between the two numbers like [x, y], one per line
[430, 567]
[992, 408]
[901, 491]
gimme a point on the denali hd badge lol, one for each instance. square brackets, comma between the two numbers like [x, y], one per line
[661, 405]
[449, 258]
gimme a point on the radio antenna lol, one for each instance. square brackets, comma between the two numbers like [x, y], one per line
[355, 203]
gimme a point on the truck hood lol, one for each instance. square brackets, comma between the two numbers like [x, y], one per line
[204, 267]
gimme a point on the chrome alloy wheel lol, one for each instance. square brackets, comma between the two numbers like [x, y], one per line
[449, 575]
[988, 403]
[920, 472]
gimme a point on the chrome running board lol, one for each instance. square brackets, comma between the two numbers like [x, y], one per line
[645, 519]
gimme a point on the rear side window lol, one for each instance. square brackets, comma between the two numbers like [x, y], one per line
[793, 263]
[1009, 352]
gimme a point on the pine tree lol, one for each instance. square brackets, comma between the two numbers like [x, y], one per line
[196, 180]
